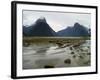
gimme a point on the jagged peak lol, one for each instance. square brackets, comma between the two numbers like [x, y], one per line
[41, 19]
[76, 24]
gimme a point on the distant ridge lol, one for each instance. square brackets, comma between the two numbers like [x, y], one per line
[75, 31]
[41, 28]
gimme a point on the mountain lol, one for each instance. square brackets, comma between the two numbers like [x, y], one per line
[89, 31]
[74, 31]
[39, 28]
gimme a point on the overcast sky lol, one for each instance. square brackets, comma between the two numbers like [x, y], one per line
[57, 20]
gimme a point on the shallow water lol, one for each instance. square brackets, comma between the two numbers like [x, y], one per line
[38, 55]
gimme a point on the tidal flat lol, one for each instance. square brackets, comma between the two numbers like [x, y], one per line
[56, 52]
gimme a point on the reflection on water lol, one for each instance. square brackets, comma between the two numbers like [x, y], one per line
[51, 55]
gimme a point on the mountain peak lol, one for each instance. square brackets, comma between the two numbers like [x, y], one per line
[40, 28]
[76, 30]
[76, 24]
[41, 19]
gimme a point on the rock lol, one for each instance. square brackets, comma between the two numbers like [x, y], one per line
[88, 53]
[48, 66]
[71, 48]
[80, 57]
[74, 56]
[67, 61]
[72, 52]
[81, 49]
